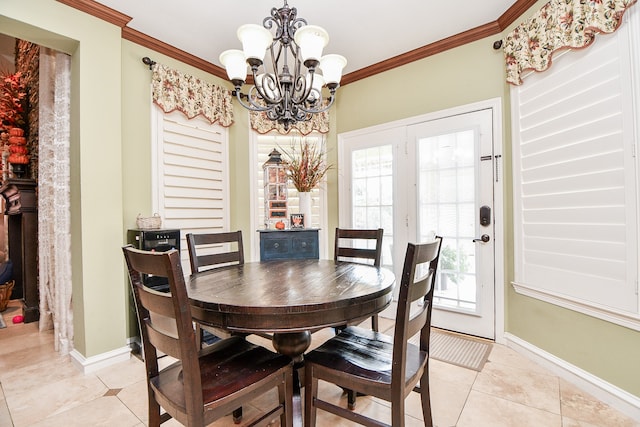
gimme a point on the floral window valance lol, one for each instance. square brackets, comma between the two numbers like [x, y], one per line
[317, 123]
[560, 24]
[173, 90]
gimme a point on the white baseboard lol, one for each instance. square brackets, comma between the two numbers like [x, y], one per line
[610, 394]
[94, 363]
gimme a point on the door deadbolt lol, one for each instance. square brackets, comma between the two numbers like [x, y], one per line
[485, 216]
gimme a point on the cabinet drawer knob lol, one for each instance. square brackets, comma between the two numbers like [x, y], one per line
[276, 245]
[304, 244]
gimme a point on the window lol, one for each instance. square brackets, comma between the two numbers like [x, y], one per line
[262, 146]
[575, 181]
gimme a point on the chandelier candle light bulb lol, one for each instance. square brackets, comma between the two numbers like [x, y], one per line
[331, 66]
[255, 41]
[312, 40]
[233, 60]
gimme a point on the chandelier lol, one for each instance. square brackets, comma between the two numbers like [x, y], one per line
[282, 89]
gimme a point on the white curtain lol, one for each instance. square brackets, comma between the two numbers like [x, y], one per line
[54, 225]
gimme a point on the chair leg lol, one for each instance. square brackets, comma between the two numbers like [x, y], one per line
[397, 412]
[310, 395]
[154, 411]
[237, 416]
[351, 399]
[425, 397]
[199, 333]
[285, 396]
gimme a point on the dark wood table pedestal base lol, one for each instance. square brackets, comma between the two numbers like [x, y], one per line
[294, 344]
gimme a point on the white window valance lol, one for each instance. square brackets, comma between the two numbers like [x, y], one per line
[560, 24]
[176, 91]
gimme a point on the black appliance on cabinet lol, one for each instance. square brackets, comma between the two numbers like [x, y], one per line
[158, 241]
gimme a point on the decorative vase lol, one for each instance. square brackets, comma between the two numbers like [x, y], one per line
[304, 199]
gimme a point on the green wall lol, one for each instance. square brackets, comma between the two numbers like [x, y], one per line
[96, 169]
[111, 171]
[603, 349]
[460, 76]
[464, 75]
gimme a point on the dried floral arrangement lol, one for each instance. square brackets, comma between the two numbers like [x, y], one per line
[13, 95]
[12, 98]
[305, 163]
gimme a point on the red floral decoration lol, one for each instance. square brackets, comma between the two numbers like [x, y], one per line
[12, 97]
[12, 117]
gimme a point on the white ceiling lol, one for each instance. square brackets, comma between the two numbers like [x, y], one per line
[364, 31]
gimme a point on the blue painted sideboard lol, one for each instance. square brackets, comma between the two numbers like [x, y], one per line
[289, 244]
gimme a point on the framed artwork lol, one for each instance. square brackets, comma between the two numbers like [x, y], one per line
[297, 220]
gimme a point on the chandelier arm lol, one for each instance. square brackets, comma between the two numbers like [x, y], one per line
[300, 90]
[331, 99]
[251, 106]
[300, 85]
[276, 75]
[267, 79]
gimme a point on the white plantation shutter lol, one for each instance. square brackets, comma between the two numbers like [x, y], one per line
[192, 185]
[575, 188]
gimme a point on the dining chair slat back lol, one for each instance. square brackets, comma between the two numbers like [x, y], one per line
[354, 252]
[204, 254]
[199, 243]
[354, 245]
[202, 385]
[376, 364]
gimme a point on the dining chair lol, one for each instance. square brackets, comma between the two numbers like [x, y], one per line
[202, 385]
[376, 364]
[205, 254]
[355, 245]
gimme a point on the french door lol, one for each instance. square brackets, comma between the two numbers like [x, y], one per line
[433, 177]
[453, 179]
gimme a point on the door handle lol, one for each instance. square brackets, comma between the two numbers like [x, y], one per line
[484, 238]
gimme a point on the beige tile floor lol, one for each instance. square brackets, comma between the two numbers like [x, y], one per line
[40, 388]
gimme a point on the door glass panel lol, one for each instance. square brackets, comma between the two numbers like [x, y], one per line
[372, 193]
[446, 203]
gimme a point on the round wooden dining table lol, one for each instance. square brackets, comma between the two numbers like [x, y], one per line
[289, 298]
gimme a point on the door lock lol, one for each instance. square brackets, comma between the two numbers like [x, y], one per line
[485, 216]
[484, 238]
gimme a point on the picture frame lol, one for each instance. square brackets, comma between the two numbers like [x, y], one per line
[296, 220]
